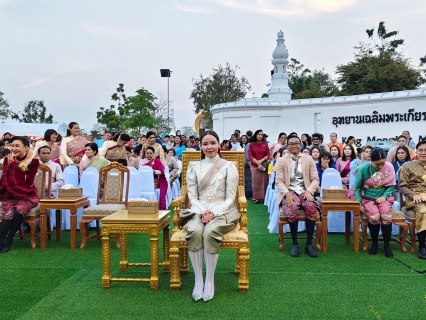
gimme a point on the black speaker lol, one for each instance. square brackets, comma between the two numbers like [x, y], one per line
[165, 73]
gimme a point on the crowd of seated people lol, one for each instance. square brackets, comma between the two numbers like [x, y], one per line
[261, 158]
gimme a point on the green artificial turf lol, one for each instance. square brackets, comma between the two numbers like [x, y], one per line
[60, 283]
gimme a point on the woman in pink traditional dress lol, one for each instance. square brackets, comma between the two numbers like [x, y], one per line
[17, 190]
[374, 184]
[343, 164]
[115, 150]
[258, 152]
[158, 168]
[72, 146]
[50, 137]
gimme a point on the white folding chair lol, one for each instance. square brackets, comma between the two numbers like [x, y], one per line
[134, 187]
[146, 183]
[269, 190]
[169, 195]
[71, 175]
[331, 179]
[89, 181]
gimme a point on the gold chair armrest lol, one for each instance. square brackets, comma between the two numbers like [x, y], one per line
[242, 208]
[177, 204]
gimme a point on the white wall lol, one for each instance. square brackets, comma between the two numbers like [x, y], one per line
[275, 116]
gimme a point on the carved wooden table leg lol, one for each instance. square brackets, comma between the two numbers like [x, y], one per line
[356, 228]
[154, 280]
[58, 215]
[43, 228]
[73, 220]
[166, 249]
[324, 228]
[106, 259]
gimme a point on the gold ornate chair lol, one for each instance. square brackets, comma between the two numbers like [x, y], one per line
[302, 217]
[112, 179]
[235, 239]
[398, 219]
[44, 174]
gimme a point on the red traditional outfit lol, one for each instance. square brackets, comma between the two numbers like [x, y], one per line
[156, 164]
[17, 189]
[259, 178]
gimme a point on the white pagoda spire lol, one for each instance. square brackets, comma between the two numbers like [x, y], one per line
[279, 89]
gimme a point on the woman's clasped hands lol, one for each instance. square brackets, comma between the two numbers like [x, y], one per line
[207, 216]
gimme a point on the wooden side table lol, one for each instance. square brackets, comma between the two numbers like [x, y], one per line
[72, 204]
[123, 223]
[346, 205]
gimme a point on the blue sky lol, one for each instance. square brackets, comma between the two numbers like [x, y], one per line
[73, 54]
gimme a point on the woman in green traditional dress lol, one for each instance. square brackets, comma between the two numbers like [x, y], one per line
[92, 159]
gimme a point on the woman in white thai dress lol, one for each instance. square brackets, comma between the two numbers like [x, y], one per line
[212, 187]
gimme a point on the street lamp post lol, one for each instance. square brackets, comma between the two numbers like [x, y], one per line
[166, 73]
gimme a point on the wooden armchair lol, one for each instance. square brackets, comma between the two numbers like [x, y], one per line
[398, 219]
[235, 239]
[44, 174]
[112, 179]
[410, 219]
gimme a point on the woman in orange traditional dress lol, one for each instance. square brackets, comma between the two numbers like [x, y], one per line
[17, 191]
[73, 145]
[114, 150]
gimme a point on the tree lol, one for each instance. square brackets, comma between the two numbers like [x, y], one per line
[34, 112]
[5, 111]
[221, 86]
[306, 84]
[98, 130]
[379, 66]
[138, 111]
[112, 117]
[160, 113]
[188, 131]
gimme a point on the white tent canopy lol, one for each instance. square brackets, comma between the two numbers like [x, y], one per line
[34, 130]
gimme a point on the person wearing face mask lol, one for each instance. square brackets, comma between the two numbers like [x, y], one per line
[17, 190]
[114, 150]
[72, 146]
[212, 186]
[92, 158]
[402, 141]
[374, 184]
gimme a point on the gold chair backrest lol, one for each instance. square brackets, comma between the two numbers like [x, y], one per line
[43, 174]
[113, 177]
[236, 157]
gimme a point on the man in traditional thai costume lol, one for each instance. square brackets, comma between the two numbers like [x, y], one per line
[374, 184]
[412, 185]
[151, 142]
[297, 181]
[114, 150]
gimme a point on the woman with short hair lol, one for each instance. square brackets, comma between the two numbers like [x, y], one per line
[179, 147]
[50, 137]
[92, 158]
